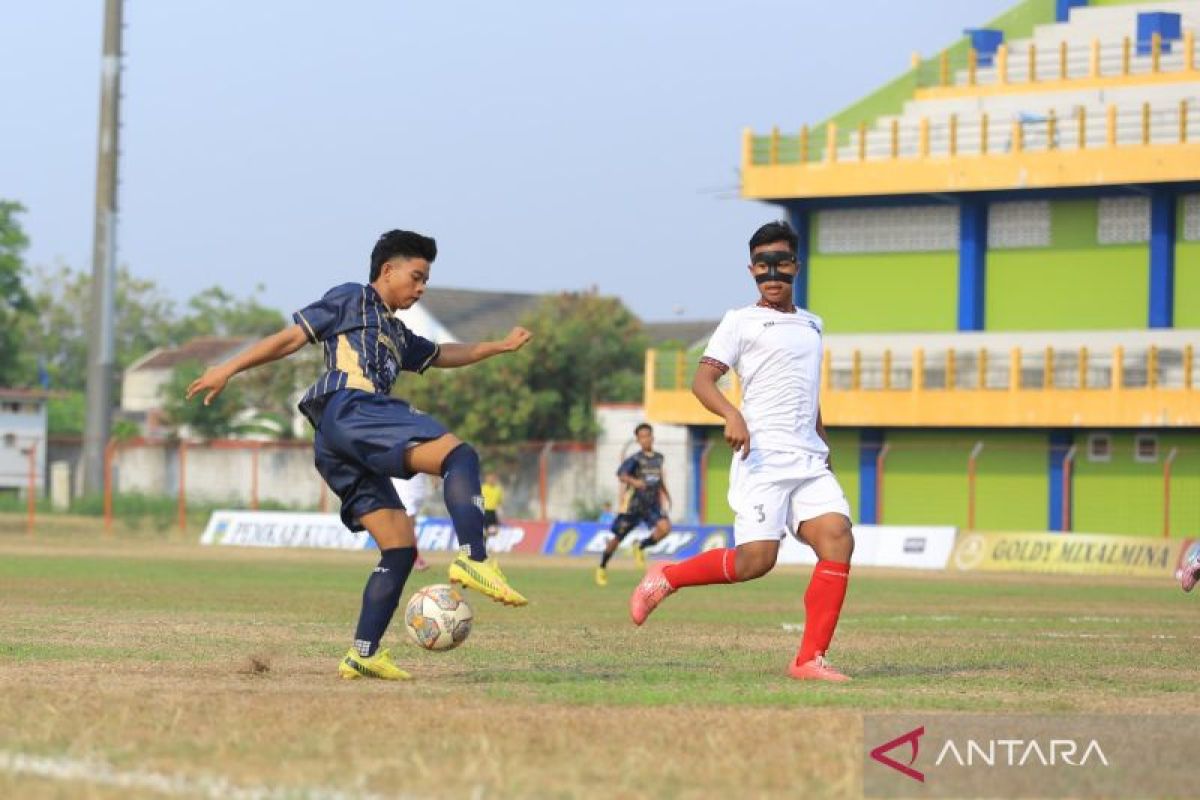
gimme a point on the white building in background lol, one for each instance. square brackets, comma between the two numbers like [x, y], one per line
[144, 379]
[23, 425]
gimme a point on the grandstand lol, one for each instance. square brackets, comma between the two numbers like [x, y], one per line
[1004, 242]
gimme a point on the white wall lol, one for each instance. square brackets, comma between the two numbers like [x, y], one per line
[18, 429]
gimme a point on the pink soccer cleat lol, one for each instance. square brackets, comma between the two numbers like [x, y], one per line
[420, 565]
[816, 670]
[1190, 573]
[649, 593]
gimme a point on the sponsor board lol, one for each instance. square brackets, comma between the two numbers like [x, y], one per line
[1073, 553]
[905, 546]
[590, 538]
[996, 755]
[436, 534]
[326, 531]
[281, 529]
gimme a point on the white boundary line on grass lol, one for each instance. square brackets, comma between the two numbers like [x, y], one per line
[98, 772]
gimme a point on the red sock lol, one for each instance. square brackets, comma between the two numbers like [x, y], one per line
[711, 566]
[822, 606]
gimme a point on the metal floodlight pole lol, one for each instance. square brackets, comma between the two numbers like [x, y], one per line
[101, 349]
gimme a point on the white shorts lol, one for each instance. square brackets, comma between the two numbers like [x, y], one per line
[413, 492]
[772, 492]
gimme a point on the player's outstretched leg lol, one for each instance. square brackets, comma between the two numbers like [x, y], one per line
[1190, 573]
[661, 580]
[380, 598]
[462, 493]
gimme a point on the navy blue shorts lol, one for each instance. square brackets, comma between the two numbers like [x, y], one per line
[359, 447]
[624, 523]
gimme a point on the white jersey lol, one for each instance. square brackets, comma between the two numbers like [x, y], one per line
[777, 355]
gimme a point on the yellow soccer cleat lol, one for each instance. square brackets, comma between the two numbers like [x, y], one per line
[601, 576]
[486, 578]
[639, 555]
[380, 666]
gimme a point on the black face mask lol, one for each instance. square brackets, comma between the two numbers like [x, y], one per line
[774, 260]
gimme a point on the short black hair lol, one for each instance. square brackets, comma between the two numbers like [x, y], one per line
[401, 243]
[772, 232]
[643, 426]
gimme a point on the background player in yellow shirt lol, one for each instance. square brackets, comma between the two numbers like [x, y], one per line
[493, 498]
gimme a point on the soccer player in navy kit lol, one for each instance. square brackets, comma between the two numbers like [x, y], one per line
[365, 437]
[642, 500]
[780, 481]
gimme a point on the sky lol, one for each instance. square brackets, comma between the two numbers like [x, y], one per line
[546, 145]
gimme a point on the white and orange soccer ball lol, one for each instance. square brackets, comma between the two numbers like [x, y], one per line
[438, 617]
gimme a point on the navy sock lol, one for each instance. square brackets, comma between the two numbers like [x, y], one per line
[381, 596]
[647, 542]
[605, 557]
[464, 498]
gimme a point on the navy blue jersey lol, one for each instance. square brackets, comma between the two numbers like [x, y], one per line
[647, 467]
[366, 347]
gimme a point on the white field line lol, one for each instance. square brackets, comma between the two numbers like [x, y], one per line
[101, 773]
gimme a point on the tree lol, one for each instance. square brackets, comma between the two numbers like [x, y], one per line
[585, 349]
[216, 312]
[15, 304]
[56, 337]
[214, 421]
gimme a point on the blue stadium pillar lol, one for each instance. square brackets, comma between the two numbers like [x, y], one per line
[1060, 442]
[1162, 259]
[869, 444]
[972, 263]
[698, 437]
[1062, 10]
[799, 220]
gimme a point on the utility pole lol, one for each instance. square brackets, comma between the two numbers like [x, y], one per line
[101, 348]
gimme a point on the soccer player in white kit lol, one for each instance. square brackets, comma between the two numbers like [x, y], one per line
[413, 493]
[780, 481]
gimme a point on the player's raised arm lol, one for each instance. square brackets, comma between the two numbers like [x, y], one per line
[461, 355]
[704, 386]
[264, 351]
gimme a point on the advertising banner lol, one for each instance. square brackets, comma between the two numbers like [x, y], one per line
[910, 547]
[281, 529]
[326, 531]
[589, 538]
[436, 534]
[1072, 553]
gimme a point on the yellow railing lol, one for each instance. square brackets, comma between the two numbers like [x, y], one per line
[1066, 66]
[1147, 387]
[956, 135]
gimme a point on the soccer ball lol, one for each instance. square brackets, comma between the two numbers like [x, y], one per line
[438, 617]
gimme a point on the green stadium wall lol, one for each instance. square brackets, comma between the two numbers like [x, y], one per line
[892, 292]
[925, 479]
[1123, 495]
[1038, 289]
[1187, 279]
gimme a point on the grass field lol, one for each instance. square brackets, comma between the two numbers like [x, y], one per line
[164, 668]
